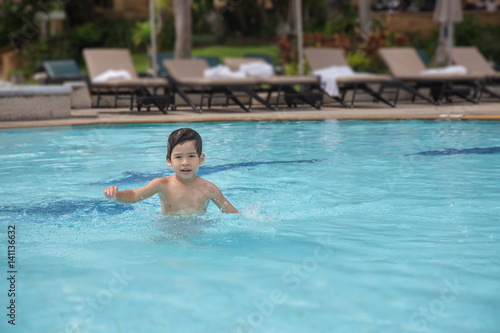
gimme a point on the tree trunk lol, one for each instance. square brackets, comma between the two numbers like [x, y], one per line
[364, 16]
[183, 28]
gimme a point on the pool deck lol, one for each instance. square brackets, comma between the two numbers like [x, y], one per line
[488, 109]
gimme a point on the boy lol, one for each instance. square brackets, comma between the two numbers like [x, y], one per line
[183, 192]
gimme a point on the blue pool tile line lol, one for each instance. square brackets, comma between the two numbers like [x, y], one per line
[453, 151]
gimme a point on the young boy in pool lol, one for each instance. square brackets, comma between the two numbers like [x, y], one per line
[183, 192]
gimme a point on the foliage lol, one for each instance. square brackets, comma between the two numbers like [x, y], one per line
[237, 51]
[359, 61]
[70, 43]
[252, 19]
[199, 10]
[141, 34]
[360, 48]
[98, 33]
[427, 44]
[344, 24]
[60, 47]
[16, 16]
[483, 35]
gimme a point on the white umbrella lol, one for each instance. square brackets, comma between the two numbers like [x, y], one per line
[447, 13]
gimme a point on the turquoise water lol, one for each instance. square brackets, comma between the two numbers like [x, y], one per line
[345, 227]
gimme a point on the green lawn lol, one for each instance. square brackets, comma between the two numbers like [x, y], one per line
[141, 61]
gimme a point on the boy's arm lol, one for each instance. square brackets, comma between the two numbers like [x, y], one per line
[133, 196]
[221, 202]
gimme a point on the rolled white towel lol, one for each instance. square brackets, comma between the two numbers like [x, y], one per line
[221, 71]
[453, 69]
[112, 75]
[257, 69]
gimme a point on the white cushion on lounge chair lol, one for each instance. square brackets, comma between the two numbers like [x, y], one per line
[220, 71]
[328, 77]
[112, 75]
[454, 69]
[257, 69]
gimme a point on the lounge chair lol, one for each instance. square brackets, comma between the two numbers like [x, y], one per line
[59, 71]
[473, 60]
[405, 65]
[162, 71]
[212, 61]
[101, 61]
[324, 58]
[283, 85]
[187, 76]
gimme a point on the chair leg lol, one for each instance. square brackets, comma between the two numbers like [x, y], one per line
[466, 97]
[374, 94]
[490, 92]
[268, 96]
[396, 98]
[132, 101]
[210, 101]
[354, 90]
[344, 91]
[98, 97]
[301, 97]
[414, 92]
[254, 95]
[116, 98]
[185, 97]
[336, 98]
[278, 97]
[231, 96]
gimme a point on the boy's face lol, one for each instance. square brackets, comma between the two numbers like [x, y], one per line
[185, 161]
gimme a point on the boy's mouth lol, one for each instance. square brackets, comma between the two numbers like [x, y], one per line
[185, 170]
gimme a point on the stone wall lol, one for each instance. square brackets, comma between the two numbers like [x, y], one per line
[34, 103]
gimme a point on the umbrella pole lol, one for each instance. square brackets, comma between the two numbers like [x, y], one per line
[152, 24]
[450, 43]
[300, 45]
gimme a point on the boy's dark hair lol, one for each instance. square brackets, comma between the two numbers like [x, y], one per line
[182, 135]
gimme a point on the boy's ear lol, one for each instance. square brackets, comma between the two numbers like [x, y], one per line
[169, 163]
[202, 158]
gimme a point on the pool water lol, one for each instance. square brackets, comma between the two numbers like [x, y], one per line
[344, 227]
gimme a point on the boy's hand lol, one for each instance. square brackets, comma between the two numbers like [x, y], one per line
[110, 192]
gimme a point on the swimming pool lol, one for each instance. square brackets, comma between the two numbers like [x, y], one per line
[345, 227]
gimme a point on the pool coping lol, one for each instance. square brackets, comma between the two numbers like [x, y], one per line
[487, 110]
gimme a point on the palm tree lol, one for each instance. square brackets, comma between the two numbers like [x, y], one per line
[183, 28]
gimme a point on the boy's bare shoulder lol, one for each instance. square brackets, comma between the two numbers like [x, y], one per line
[208, 186]
[162, 181]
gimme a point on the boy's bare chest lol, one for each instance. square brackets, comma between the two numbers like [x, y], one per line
[184, 196]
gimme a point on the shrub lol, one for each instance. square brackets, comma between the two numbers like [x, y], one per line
[483, 35]
[361, 49]
[16, 15]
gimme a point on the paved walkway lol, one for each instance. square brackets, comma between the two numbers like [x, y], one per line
[486, 110]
